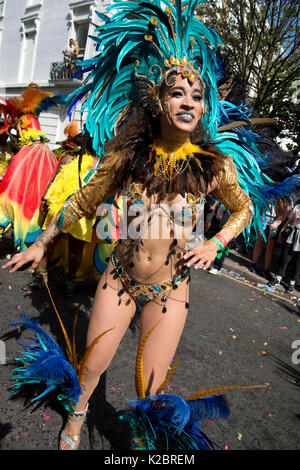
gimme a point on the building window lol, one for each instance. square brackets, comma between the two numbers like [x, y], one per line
[30, 27]
[33, 3]
[1, 8]
[28, 54]
[81, 13]
[81, 34]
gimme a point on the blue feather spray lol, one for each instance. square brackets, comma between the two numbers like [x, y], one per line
[168, 422]
[43, 361]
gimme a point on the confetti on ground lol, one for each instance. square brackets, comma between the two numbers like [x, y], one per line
[226, 447]
[202, 336]
[240, 436]
[45, 416]
[19, 306]
[271, 415]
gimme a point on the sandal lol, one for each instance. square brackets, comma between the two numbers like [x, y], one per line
[70, 439]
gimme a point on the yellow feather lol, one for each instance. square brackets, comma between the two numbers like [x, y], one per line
[213, 391]
[75, 362]
[69, 348]
[139, 368]
[65, 184]
[160, 389]
[81, 373]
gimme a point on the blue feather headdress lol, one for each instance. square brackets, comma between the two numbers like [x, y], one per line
[139, 46]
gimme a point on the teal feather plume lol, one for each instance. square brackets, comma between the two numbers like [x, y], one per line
[121, 41]
[43, 362]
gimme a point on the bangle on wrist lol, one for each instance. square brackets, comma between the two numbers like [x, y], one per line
[219, 243]
[222, 239]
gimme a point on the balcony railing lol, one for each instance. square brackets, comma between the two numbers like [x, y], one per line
[64, 71]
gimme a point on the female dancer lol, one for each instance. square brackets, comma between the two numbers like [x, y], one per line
[161, 162]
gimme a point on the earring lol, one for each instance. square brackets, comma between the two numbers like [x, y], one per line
[166, 107]
[158, 108]
[203, 113]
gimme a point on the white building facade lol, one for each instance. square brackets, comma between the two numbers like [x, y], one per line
[33, 34]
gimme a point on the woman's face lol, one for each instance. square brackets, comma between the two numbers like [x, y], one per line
[183, 107]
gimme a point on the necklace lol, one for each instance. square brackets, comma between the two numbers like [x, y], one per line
[173, 158]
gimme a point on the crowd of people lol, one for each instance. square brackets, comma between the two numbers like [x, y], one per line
[147, 150]
[276, 249]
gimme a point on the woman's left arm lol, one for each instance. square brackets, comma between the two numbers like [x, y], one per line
[235, 200]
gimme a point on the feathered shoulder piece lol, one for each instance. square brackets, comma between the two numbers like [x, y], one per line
[30, 99]
[71, 130]
[69, 145]
[33, 101]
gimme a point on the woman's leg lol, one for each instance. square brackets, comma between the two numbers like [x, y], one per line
[106, 313]
[163, 341]
[285, 258]
[259, 245]
[75, 255]
[295, 271]
[270, 248]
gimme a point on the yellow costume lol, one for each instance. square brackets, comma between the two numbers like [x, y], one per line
[64, 185]
[95, 251]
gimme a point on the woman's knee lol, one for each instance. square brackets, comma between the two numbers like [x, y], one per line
[96, 367]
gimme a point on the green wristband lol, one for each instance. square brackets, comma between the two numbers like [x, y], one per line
[220, 244]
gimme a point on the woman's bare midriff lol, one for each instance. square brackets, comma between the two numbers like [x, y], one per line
[156, 252]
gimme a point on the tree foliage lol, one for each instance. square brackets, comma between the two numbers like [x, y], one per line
[261, 39]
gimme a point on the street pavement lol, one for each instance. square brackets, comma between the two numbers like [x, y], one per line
[238, 333]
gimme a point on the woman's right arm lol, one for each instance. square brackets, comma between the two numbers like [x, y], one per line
[83, 203]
